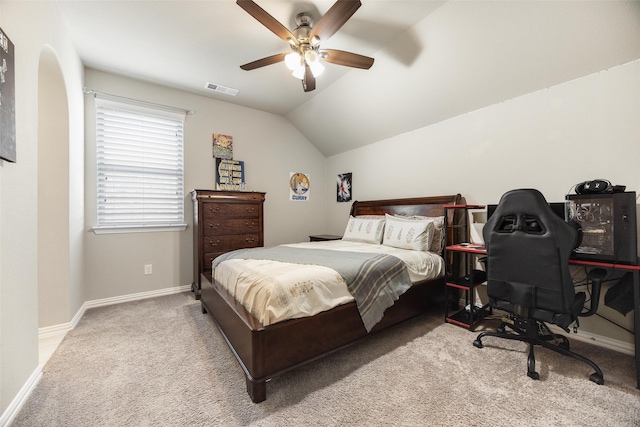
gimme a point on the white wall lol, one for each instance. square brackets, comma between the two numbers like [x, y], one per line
[32, 27]
[550, 140]
[270, 147]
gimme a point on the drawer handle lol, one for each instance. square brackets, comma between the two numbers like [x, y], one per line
[250, 239]
[214, 208]
[250, 224]
[214, 226]
[213, 244]
[250, 210]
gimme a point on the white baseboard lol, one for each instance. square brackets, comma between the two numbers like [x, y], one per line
[599, 340]
[16, 404]
[62, 329]
[132, 297]
[52, 331]
[59, 331]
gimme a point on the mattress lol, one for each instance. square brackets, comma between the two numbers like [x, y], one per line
[275, 291]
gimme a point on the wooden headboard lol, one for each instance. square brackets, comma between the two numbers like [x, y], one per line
[425, 206]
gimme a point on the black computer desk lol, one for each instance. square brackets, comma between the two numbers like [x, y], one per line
[635, 270]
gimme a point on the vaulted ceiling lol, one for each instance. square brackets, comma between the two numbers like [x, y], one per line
[433, 59]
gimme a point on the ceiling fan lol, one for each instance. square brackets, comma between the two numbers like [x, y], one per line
[305, 56]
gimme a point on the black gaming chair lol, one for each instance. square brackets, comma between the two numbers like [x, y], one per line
[528, 250]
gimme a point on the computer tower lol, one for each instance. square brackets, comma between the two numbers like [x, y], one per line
[609, 226]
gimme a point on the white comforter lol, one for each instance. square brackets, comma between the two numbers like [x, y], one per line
[275, 291]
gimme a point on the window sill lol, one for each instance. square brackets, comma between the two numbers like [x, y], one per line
[137, 229]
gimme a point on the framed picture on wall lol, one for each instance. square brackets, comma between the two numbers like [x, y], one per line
[222, 146]
[7, 100]
[344, 187]
[299, 185]
[230, 175]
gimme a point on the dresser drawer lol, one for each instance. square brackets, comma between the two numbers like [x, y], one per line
[212, 246]
[231, 242]
[230, 210]
[219, 227]
[208, 258]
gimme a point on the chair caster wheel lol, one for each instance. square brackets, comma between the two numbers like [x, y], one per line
[501, 330]
[533, 375]
[477, 343]
[596, 378]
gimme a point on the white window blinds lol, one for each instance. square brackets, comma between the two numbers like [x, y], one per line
[140, 171]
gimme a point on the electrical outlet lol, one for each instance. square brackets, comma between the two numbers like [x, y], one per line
[148, 269]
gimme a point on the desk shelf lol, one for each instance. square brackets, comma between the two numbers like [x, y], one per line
[469, 318]
[471, 314]
[461, 275]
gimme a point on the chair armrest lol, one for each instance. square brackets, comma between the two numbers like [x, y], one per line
[595, 278]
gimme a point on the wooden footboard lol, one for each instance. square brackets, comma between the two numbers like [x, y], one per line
[267, 351]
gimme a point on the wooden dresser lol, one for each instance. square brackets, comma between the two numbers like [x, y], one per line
[223, 221]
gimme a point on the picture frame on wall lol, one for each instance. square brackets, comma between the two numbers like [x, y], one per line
[299, 187]
[7, 100]
[344, 187]
[230, 175]
[222, 146]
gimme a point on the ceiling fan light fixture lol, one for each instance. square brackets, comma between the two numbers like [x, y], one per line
[298, 73]
[311, 57]
[306, 57]
[292, 61]
[316, 68]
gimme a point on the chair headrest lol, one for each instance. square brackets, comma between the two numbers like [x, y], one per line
[525, 210]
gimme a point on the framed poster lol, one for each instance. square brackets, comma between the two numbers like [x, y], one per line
[222, 146]
[298, 187]
[7, 100]
[230, 175]
[344, 185]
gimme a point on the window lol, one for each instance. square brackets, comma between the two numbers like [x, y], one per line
[139, 168]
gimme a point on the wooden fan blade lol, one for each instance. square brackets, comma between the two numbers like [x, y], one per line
[309, 81]
[265, 19]
[264, 62]
[334, 19]
[347, 59]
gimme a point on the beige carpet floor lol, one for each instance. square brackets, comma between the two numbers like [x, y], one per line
[160, 362]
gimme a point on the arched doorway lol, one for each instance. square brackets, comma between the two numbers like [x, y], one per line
[53, 193]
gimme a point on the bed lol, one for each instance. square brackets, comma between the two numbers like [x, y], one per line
[266, 351]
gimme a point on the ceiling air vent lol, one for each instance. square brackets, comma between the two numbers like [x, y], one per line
[221, 89]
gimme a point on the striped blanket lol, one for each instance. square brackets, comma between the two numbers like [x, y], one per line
[374, 280]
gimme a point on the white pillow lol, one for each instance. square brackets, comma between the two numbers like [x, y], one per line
[437, 243]
[370, 216]
[368, 230]
[408, 233]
